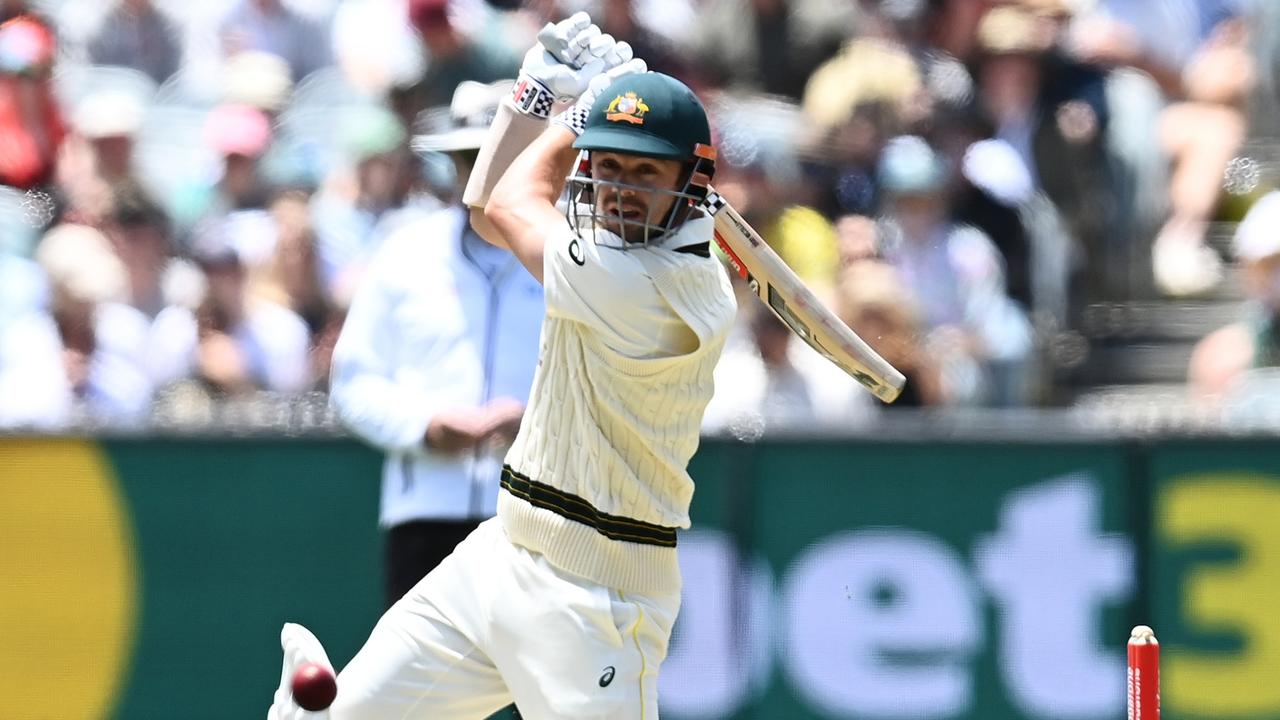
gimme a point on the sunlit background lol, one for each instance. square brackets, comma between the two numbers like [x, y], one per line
[1059, 218]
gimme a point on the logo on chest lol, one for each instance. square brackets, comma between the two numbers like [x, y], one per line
[576, 253]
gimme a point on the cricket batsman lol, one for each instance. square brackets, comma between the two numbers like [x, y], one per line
[565, 601]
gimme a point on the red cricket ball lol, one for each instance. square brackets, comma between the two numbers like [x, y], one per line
[314, 687]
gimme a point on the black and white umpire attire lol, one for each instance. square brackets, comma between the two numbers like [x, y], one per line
[441, 320]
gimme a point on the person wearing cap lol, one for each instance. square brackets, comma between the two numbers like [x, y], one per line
[31, 124]
[100, 161]
[1224, 358]
[240, 135]
[109, 120]
[565, 601]
[435, 359]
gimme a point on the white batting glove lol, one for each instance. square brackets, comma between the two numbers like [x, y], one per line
[575, 118]
[300, 647]
[560, 67]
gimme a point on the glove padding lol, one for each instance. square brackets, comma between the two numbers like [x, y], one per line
[560, 67]
[567, 39]
[575, 118]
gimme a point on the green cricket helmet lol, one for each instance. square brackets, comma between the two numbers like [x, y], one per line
[651, 115]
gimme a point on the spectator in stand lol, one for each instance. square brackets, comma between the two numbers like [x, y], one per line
[1224, 360]
[270, 26]
[348, 212]
[83, 359]
[31, 125]
[982, 337]
[990, 189]
[769, 46]
[1197, 51]
[100, 155]
[452, 57]
[855, 102]
[232, 343]
[290, 277]
[775, 381]
[872, 300]
[758, 174]
[139, 232]
[1052, 110]
[135, 34]
[618, 18]
[109, 120]
[240, 135]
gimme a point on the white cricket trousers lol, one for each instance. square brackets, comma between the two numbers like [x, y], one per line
[496, 623]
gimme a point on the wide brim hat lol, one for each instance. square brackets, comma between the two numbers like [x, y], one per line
[464, 124]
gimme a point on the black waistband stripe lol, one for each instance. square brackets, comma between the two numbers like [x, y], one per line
[575, 508]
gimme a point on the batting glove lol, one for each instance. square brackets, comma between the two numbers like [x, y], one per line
[575, 118]
[300, 646]
[560, 67]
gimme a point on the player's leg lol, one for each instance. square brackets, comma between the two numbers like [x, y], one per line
[570, 649]
[417, 664]
[422, 659]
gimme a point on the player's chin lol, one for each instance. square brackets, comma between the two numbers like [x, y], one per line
[627, 231]
[610, 225]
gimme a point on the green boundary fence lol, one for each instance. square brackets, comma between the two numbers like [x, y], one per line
[824, 578]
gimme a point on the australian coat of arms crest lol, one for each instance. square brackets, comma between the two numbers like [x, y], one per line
[627, 107]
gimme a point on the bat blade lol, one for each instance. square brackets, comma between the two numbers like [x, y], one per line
[786, 295]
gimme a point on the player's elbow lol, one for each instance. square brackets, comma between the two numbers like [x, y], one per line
[486, 229]
[501, 210]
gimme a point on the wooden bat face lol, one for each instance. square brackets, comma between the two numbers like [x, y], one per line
[786, 295]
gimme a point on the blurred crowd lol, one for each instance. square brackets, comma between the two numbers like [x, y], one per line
[190, 193]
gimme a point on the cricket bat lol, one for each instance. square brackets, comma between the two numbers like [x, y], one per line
[783, 292]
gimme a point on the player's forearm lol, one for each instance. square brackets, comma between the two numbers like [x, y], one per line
[486, 229]
[509, 134]
[538, 174]
[522, 207]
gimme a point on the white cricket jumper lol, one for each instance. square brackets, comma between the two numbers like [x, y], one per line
[628, 349]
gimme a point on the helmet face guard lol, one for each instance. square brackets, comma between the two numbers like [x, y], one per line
[586, 216]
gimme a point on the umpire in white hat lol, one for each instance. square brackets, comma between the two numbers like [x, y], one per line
[435, 361]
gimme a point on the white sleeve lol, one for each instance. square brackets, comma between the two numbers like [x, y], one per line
[33, 386]
[605, 288]
[171, 345]
[362, 388]
[286, 348]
